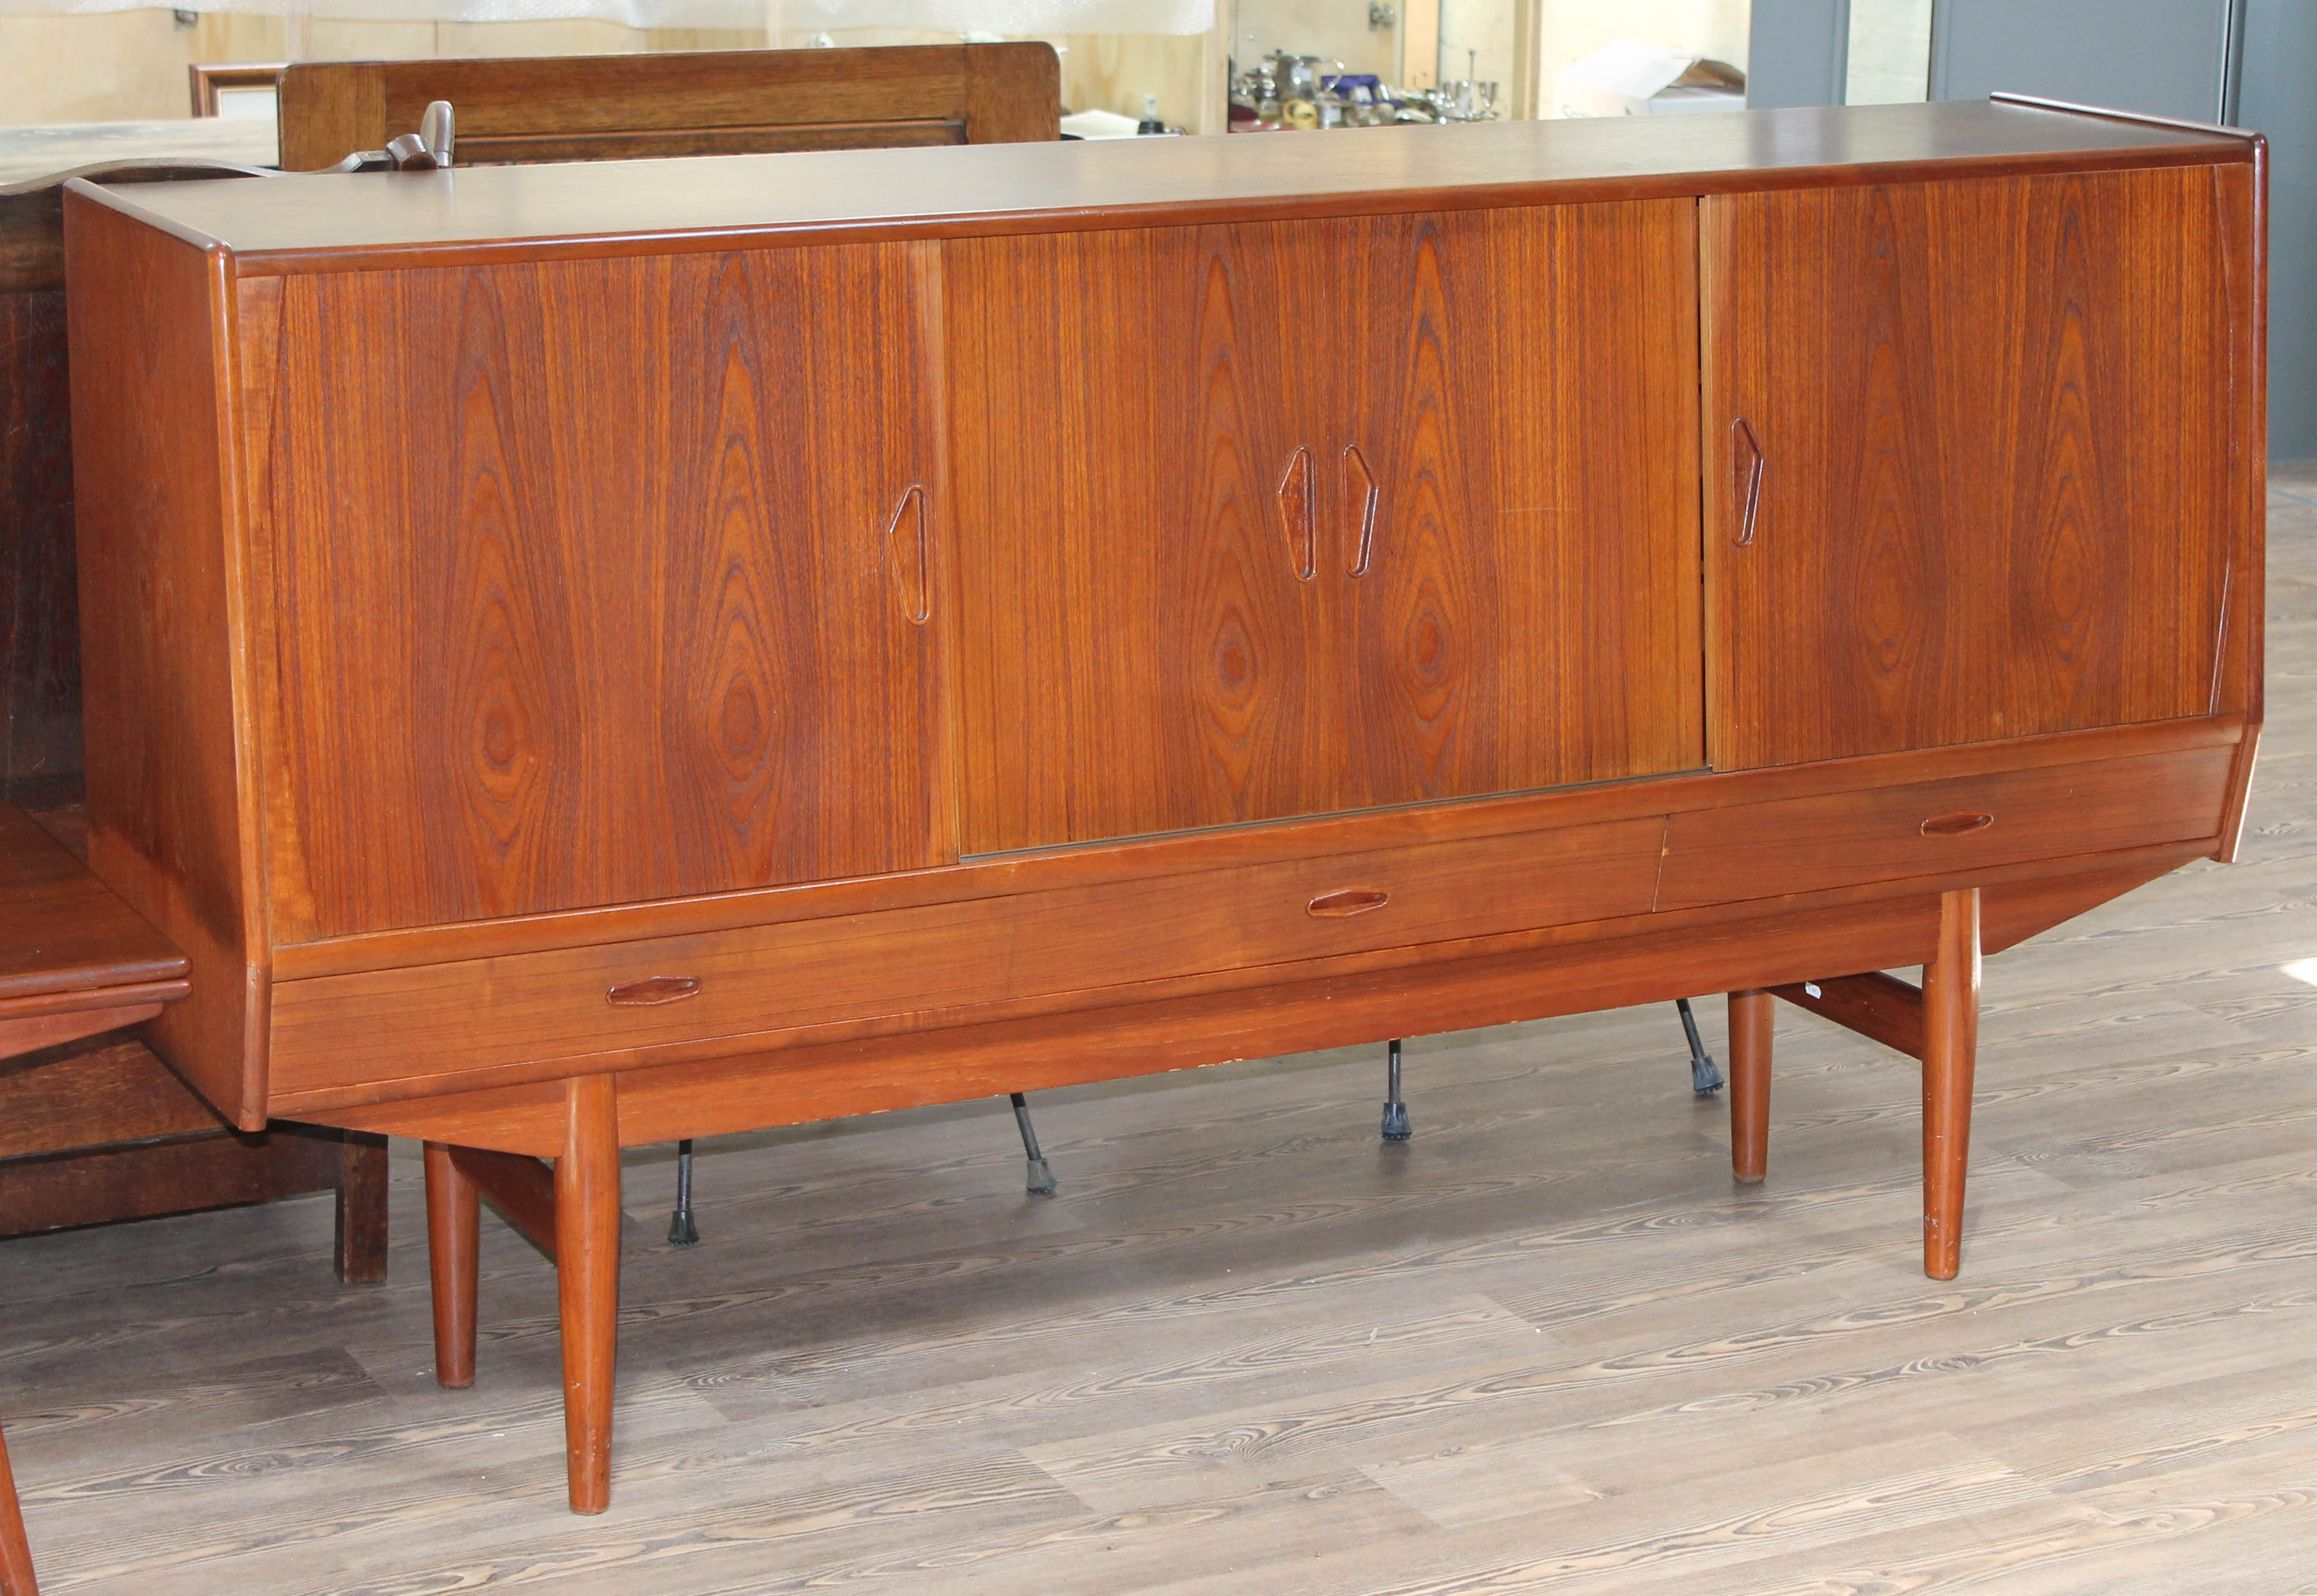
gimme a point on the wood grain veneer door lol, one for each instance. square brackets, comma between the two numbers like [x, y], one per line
[598, 581]
[1146, 642]
[1999, 428]
[1277, 519]
[1524, 396]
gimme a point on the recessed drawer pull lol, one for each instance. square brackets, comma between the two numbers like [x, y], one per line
[653, 989]
[1958, 824]
[1351, 900]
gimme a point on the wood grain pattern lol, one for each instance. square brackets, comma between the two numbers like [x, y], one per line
[84, 1096]
[624, 107]
[1525, 617]
[78, 1114]
[1874, 1005]
[611, 209]
[161, 627]
[26, 1033]
[61, 930]
[970, 961]
[16, 1577]
[522, 1189]
[2001, 492]
[410, 1024]
[960, 1062]
[1135, 510]
[1013, 93]
[320, 109]
[39, 641]
[1950, 1055]
[656, 572]
[1752, 1019]
[1720, 855]
[115, 1180]
[453, 1255]
[1139, 655]
[1196, 854]
[2030, 897]
[39, 644]
[100, 1130]
[362, 1225]
[588, 1283]
[77, 1004]
[32, 241]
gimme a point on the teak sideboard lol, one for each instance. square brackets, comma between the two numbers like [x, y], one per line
[585, 656]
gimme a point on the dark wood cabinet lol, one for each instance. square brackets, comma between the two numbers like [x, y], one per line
[580, 656]
[2005, 430]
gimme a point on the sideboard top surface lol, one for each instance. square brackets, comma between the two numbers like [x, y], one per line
[333, 222]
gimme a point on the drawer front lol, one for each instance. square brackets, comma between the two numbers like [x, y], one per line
[378, 1026]
[1754, 851]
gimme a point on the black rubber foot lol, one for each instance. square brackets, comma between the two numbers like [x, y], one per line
[681, 1232]
[1704, 1079]
[1396, 1128]
[1042, 1178]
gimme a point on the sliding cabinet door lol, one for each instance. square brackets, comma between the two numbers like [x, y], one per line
[597, 582]
[1140, 509]
[1977, 458]
[1282, 519]
[1523, 603]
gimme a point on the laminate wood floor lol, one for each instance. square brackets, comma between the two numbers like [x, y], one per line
[1547, 1346]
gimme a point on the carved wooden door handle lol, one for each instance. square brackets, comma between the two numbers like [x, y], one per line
[1745, 477]
[1959, 823]
[1298, 508]
[1360, 489]
[908, 556]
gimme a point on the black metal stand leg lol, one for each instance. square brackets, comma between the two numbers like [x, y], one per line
[1042, 1178]
[1703, 1078]
[681, 1231]
[1396, 1128]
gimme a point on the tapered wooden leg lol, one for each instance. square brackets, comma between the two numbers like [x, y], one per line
[362, 1209]
[587, 1264]
[1749, 1084]
[453, 1242]
[15, 1551]
[1950, 1053]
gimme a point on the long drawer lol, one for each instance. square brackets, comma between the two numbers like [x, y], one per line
[1927, 828]
[389, 1025]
